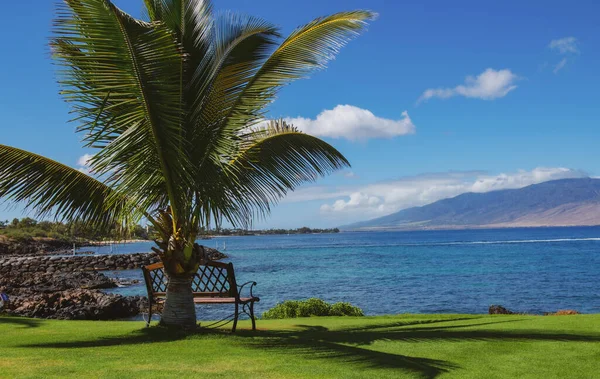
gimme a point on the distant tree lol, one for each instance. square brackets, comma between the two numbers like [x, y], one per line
[27, 222]
[45, 225]
[139, 232]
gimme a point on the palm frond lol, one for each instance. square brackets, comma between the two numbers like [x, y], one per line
[192, 22]
[274, 160]
[153, 9]
[186, 18]
[49, 187]
[122, 76]
[242, 44]
[307, 49]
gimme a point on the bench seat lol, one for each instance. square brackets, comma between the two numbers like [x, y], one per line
[214, 283]
[217, 300]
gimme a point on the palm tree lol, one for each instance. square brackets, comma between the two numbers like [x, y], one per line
[175, 108]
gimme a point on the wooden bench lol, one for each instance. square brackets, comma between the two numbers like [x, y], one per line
[214, 283]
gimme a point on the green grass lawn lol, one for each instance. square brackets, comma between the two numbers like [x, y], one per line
[403, 346]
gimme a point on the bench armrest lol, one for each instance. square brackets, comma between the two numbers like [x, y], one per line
[240, 288]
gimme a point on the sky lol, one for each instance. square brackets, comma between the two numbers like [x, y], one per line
[437, 98]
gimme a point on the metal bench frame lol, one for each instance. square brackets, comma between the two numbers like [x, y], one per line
[214, 283]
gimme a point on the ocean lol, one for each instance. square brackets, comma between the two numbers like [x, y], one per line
[532, 270]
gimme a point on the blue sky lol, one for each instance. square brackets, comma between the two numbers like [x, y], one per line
[436, 99]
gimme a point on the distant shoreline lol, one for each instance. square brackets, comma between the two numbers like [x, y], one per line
[113, 242]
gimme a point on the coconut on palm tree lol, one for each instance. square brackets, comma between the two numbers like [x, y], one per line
[174, 107]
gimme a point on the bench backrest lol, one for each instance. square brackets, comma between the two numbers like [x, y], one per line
[213, 279]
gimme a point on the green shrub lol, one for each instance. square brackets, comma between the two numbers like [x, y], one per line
[39, 233]
[287, 309]
[313, 307]
[309, 308]
[17, 235]
[345, 309]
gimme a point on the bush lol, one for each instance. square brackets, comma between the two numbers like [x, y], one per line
[309, 308]
[313, 307]
[287, 309]
[39, 233]
[345, 309]
[17, 235]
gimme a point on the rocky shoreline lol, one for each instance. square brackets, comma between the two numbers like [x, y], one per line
[16, 265]
[67, 295]
[71, 286]
[49, 264]
[40, 246]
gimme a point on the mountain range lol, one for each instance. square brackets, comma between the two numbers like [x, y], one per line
[565, 202]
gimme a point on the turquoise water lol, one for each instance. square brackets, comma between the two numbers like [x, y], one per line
[527, 270]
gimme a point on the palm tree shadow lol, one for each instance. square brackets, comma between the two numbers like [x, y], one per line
[313, 342]
[142, 336]
[23, 322]
[349, 345]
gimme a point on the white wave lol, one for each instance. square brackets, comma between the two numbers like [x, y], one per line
[518, 241]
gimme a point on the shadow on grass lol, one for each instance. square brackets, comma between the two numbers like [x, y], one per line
[23, 322]
[314, 342]
[348, 345]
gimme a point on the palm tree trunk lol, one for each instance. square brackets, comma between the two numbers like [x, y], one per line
[179, 309]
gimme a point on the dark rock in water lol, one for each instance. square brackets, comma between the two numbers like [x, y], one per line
[213, 254]
[77, 304]
[499, 310]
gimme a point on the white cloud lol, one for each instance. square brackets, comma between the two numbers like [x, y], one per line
[490, 84]
[349, 174]
[83, 160]
[524, 178]
[83, 163]
[353, 123]
[565, 45]
[379, 199]
[560, 65]
[356, 201]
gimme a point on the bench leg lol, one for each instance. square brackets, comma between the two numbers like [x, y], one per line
[149, 314]
[235, 317]
[252, 315]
